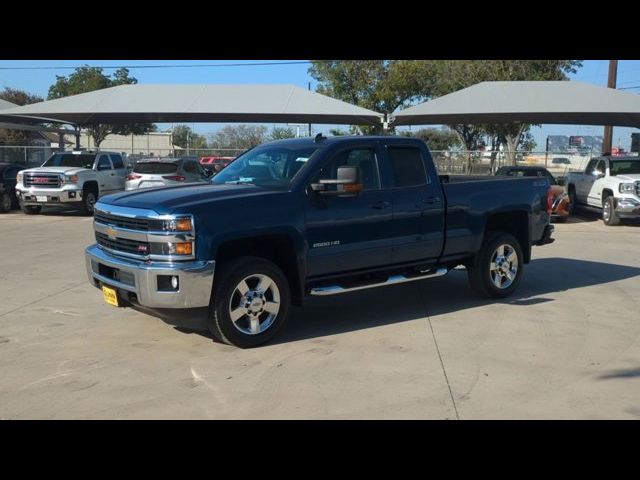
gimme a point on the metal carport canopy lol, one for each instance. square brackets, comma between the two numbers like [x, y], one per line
[537, 102]
[167, 103]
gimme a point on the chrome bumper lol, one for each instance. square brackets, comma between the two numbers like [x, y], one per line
[628, 208]
[141, 279]
[54, 197]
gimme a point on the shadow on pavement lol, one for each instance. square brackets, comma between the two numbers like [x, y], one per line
[365, 309]
[628, 373]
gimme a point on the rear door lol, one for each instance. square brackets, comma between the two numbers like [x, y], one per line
[350, 233]
[418, 204]
[585, 182]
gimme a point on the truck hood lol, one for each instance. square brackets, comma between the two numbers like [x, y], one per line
[167, 200]
[65, 170]
[629, 178]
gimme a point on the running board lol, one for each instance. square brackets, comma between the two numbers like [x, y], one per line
[392, 280]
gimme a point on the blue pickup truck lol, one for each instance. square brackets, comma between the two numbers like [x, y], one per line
[313, 216]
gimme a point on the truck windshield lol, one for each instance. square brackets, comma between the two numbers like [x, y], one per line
[269, 166]
[70, 160]
[624, 167]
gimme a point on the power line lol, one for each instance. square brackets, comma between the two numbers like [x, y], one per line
[629, 88]
[205, 65]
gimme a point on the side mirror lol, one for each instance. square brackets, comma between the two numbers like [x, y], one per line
[347, 183]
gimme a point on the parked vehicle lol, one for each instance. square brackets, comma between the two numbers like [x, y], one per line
[319, 216]
[216, 163]
[72, 179]
[560, 204]
[8, 199]
[561, 161]
[608, 183]
[164, 172]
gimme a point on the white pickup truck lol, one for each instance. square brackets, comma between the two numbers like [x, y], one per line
[609, 183]
[74, 179]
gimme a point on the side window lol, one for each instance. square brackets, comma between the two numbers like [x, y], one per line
[591, 166]
[407, 166]
[601, 167]
[189, 167]
[117, 161]
[365, 158]
[104, 163]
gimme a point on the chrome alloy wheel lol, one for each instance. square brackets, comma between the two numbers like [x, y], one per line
[606, 212]
[254, 304]
[504, 266]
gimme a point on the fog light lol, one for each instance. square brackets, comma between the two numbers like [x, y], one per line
[72, 194]
[174, 282]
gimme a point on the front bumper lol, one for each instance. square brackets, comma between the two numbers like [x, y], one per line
[628, 208]
[138, 280]
[29, 196]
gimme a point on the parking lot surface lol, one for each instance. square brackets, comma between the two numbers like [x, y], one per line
[567, 345]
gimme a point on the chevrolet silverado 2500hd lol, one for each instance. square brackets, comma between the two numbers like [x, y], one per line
[318, 216]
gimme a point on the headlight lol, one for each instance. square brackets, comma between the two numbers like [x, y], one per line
[184, 224]
[19, 177]
[182, 248]
[71, 179]
[627, 188]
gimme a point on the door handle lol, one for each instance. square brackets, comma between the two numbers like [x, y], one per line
[431, 201]
[381, 205]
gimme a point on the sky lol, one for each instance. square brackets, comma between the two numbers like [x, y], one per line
[38, 82]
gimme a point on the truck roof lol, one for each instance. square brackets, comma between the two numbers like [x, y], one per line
[310, 141]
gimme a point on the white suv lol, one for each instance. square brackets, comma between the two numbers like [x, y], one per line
[76, 179]
[609, 183]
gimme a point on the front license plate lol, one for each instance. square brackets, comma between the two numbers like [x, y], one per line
[41, 198]
[110, 296]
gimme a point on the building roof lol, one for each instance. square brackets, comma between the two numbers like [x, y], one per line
[199, 103]
[548, 102]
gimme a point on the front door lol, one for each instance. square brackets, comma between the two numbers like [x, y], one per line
[418, 206]
[595, 192]
[585, 182]
[349, 233]
[106, 174]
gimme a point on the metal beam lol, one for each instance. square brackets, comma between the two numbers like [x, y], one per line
[35, 128]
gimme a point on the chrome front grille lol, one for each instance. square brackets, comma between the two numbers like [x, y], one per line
[42, 180]
[123, 244]
[638, 188]
[122, 222]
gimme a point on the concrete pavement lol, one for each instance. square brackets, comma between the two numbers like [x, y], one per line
[566, 346]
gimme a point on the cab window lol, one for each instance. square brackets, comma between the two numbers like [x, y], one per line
[104, 163]
[365, 158]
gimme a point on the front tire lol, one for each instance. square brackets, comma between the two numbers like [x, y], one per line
[6, 203]
[89, 197]
[249, 302]
[573, 201]
[497, 268]
[609, 215]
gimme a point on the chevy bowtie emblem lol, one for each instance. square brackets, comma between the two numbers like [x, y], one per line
[111, 233]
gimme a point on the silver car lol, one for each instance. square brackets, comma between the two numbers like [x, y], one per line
[162, 172]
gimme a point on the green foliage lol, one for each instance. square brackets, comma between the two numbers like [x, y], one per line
[239, 136]
[88, 79]
[19, 97]
[280, 133]
[337, 132]
[379, 85]
[437, 140]
[184, 137]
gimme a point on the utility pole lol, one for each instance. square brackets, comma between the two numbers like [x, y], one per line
[309, 124]
[608, 130]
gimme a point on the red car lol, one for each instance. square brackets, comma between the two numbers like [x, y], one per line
[216, 163]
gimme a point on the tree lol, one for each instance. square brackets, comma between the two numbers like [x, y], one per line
[88, 79]
[183, 136]
[438, 140]
[241, 137]
[379, 85]
[18, 97]
[280, 133]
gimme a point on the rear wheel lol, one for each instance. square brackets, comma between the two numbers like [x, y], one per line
[573, 201]
[5, 202]
[249, 302]
[609, 215]
[497, 268]
[30, 209]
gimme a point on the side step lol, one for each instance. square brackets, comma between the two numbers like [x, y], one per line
[392, 280]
